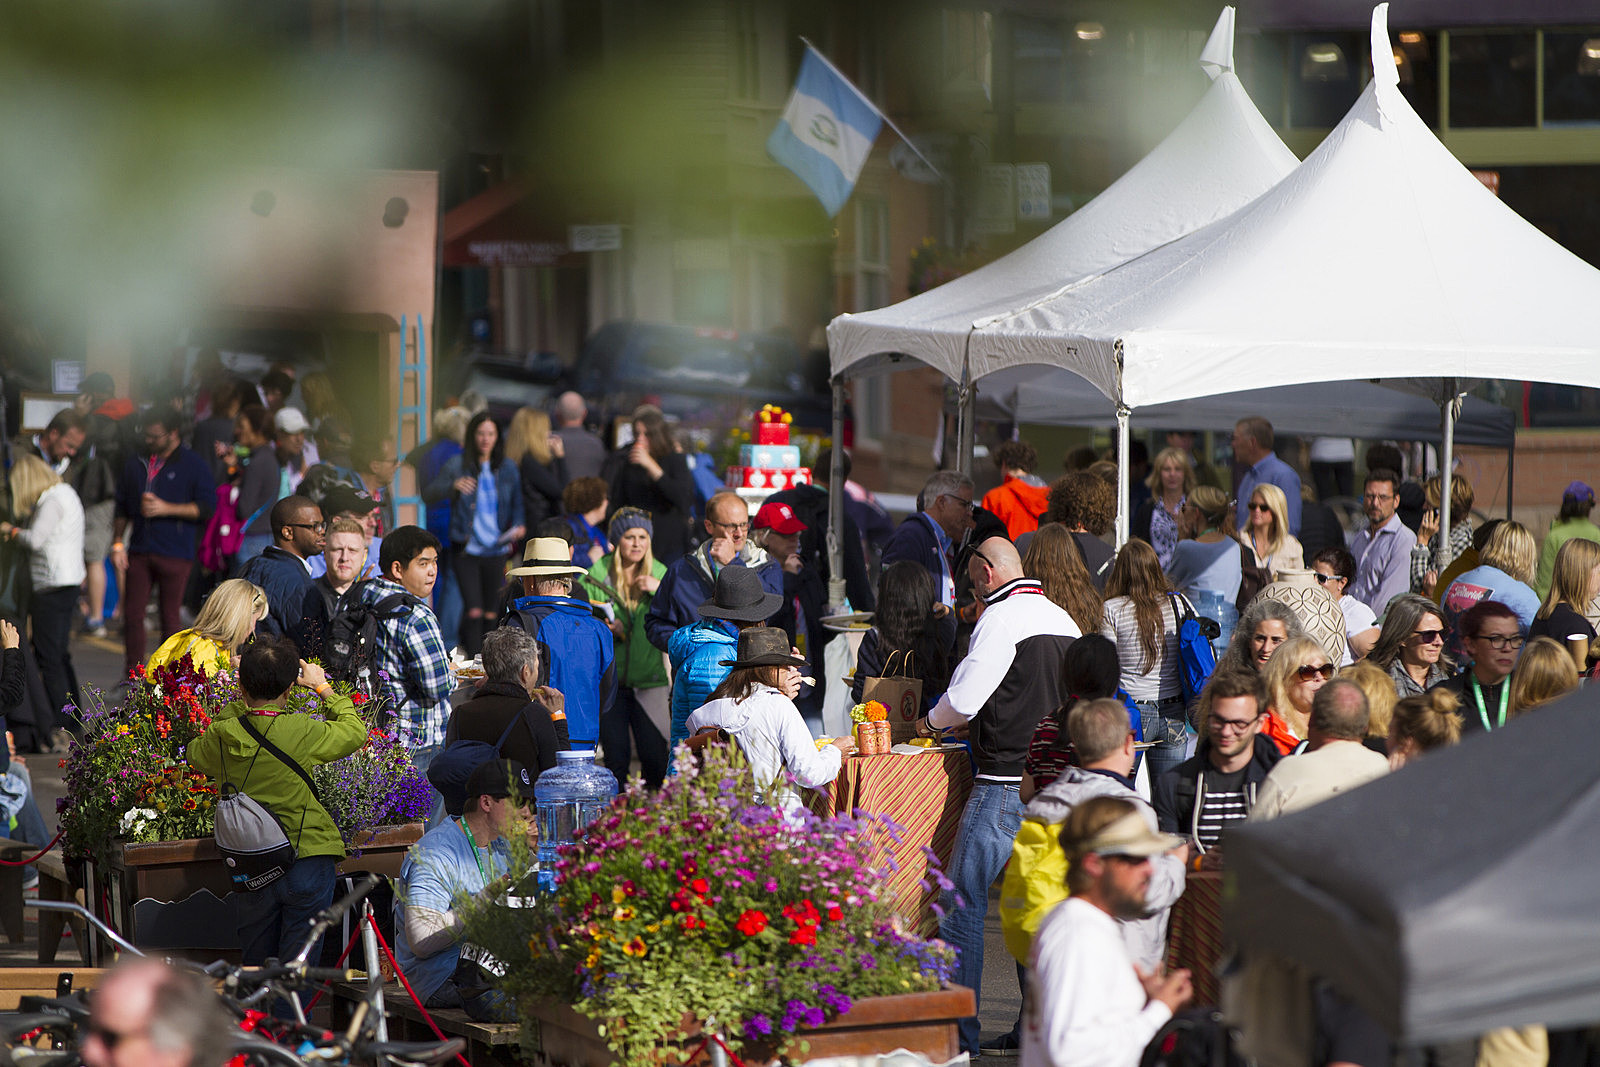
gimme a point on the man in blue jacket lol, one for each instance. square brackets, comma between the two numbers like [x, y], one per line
[931, 536]
[689, 580]
[164, 498]
[295, 609]
[575, 646]
[697, 652]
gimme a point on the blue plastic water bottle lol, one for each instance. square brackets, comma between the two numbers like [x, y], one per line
[568, 797]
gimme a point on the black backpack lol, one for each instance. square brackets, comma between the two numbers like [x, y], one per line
[351, 650]
[1194, 1037]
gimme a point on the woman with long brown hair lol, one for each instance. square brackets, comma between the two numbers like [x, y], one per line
[650, 474]
[1142, 613]
[755, 705]
[1053, 558]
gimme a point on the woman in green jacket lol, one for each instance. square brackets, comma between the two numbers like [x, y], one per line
[274, 918]
[626, 579]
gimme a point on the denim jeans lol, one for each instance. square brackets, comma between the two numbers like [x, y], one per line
[1163, 723]
[273, 920]
[989, 825]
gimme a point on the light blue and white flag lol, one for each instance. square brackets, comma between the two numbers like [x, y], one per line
[826, 131]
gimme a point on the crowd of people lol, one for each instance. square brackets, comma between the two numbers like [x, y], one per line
[616, 606]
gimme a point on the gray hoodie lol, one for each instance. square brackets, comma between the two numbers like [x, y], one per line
[1146, 938]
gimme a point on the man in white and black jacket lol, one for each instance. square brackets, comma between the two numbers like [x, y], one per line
[1010, 678]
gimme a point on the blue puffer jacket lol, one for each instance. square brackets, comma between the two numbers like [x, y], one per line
[508, 494]
[697, 653]
[577, 653]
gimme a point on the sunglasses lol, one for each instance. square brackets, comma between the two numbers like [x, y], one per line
[1259, 507]
[1308, 672]
[1324, 579]
[1429, 636]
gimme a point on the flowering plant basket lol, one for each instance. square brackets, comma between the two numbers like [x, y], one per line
[127, 780]
[697, 908]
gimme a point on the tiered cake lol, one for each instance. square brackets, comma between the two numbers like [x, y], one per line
[769, 462]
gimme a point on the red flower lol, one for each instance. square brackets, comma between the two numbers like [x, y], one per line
[691, 923]
[700, 886]
[835, 913]
[752, 923]
[358, 698]
[804, 935]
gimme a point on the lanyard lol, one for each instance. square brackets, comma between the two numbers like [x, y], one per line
[477, 858]
[1483, 713]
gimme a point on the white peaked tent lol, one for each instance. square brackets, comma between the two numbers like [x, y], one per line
[1379, 256]
[1222, 156]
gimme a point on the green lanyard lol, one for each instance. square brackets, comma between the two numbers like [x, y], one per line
[479, 859]
[1483, 713]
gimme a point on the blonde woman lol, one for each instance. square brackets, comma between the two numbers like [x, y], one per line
[1574, 582]
[52, 532]
[1267, 535]
[540, 455]
[1504, 573]
[627, 579]
[1426, 556]
[1156, 522]
[1293, 674]
[1421, 724]
[1381, 699]
[226, 621]
[1544, 673]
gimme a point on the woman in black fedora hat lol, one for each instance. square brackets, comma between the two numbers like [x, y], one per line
[755, 705]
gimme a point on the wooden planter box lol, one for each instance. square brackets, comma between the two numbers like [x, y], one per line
[172, 895]
[918, 1022]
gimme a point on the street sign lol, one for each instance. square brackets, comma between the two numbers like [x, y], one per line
[601, 238]
[996, 208]
[1033, 192]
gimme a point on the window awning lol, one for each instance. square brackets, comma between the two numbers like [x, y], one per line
[500, 227]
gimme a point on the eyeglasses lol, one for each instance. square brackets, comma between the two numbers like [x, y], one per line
[969, 505]
[732, 526]
[1225, 726]
[1258, 507]
[1429, 636]
[314, 527]
[1324, 579]
[1308, 672]
[1377, 496]
[1500, 642]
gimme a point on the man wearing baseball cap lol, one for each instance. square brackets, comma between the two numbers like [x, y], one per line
[581, 653]
[462, 856]
[1088, 1005]
[294, 457]
[1571, 521]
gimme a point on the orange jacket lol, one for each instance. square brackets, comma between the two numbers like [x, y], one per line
[1018, 505]
[1278, 733]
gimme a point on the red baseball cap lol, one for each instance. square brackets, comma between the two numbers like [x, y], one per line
[778, 517]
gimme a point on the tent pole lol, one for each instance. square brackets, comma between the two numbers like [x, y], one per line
[1447, 413]
[836, 501]
[1123, 475]
[966, 432]
[1511, 470]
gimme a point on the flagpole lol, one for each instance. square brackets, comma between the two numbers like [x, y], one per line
[887, 121]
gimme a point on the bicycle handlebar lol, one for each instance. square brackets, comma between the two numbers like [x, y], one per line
[84, 913]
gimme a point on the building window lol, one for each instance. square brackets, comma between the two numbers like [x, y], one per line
[1416, 60]
[1492, 79]
[744, 68]
[872, 253]
[870, 406]
[968, 52]
[1038, 61]
[1572, 78]
[1325, 77]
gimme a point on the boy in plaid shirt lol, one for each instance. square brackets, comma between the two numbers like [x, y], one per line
[413, 665]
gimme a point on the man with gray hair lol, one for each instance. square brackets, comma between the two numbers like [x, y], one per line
[1334, 762]
[585, 453]
[148, 1014]
[933, 535]
[511, 691]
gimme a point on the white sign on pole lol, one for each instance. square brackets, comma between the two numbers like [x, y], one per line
[996, 208]
[602, 238]
[1033, 192]
[66, 374]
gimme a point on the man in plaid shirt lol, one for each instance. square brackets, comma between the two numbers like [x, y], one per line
[412, 664]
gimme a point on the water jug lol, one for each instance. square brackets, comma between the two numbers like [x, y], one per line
[568, 797]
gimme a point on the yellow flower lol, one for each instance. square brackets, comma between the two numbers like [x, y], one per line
[622, 915]
[594, 931]
[593, 958]
[652, 928]
[635, 947]
[617, 895]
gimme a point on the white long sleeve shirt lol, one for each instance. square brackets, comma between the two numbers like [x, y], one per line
[54, 537]
[775, 742]
[1086, 1005]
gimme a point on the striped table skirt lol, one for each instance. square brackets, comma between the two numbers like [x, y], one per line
[923, 795]
[1194, 935]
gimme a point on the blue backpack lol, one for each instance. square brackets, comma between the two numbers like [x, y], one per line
[1196, 660]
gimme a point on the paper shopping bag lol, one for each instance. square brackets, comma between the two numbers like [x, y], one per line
[900, 693]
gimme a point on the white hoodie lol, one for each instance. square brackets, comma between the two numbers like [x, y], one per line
[775, 742]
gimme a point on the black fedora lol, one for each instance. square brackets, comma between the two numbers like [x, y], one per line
[764, 646]
[738, 596]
